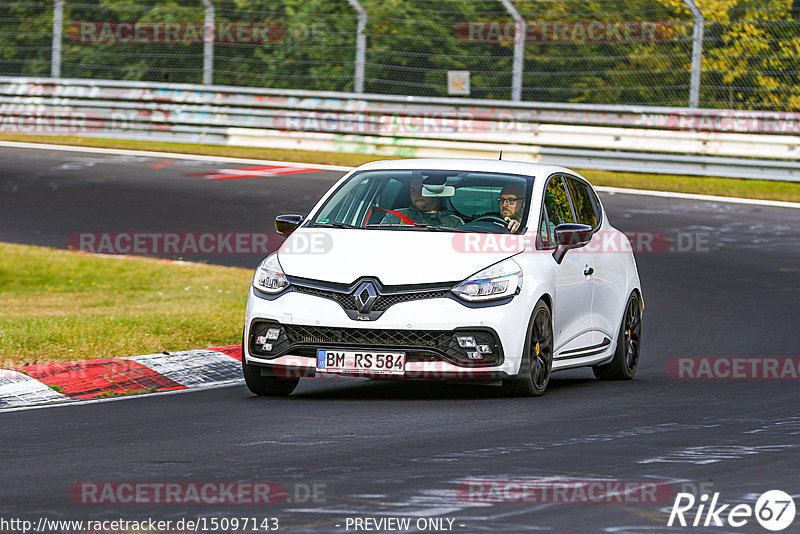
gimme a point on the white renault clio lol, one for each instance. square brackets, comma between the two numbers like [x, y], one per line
[498, 272]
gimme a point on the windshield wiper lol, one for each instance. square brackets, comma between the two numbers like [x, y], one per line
[424, 226]
[392, 225]
[440, 228]
[334, 225]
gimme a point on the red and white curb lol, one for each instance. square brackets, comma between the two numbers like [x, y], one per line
[262, 171]
[59, 382]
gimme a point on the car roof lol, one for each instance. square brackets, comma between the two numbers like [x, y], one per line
[469, 164]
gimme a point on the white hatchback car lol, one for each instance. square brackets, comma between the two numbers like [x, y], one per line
[497, 272]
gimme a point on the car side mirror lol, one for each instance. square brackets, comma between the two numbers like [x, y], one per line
[286, 224]
[570, 235]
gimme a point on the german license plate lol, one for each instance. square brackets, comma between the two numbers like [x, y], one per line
[361, 362]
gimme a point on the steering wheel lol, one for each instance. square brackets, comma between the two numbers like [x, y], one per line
[496, 219]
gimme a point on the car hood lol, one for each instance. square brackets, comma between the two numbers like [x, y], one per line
[395, 257]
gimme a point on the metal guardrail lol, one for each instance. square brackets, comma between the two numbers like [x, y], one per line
[644, 139]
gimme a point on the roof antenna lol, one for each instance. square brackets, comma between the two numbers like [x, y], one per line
[501, 155]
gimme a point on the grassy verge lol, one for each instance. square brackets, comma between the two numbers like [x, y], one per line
[725, 187]
[303, 156]
[61, 306]
[762, 189]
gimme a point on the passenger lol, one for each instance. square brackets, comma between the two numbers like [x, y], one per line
[427, 210]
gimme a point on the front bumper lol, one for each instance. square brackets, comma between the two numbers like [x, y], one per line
[423, 329]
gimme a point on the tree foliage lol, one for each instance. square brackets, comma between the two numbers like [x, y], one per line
[750, 53]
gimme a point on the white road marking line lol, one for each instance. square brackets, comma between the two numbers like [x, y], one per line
[174, 155]
[693, 196]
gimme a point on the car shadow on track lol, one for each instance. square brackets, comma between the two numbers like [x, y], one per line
[417, 390]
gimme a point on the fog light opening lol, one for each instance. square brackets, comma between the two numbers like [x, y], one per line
[263, 344]
[272, 334]
[466, 342]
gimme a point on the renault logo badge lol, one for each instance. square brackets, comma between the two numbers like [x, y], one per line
[365, 296]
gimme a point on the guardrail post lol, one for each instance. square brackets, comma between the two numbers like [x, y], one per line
[58, 21]
[697, 53]
[519, 50]
[361, 45]
[208, 43]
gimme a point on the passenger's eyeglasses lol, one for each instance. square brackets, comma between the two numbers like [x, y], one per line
[511, 200]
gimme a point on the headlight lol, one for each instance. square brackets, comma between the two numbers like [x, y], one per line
[269, 276]
[498, 281]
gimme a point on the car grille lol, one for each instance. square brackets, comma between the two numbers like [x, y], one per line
[383, 302]
[421, 345]
[344, 300]
[386, 301]
[365, 336]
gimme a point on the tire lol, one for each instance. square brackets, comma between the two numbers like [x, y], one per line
[537, 356]
[629, 342]
[266, 386]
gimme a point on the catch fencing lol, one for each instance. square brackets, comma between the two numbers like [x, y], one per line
[732, 54]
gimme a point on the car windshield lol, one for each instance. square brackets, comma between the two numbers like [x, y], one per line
[432, 200]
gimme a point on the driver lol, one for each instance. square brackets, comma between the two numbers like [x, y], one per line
[512, 205]
[426, 210]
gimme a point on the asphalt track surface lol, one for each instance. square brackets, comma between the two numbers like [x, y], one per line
[403, 449]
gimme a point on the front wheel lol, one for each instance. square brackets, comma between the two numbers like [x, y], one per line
[266, 386]
[626, 357]
[537, 357]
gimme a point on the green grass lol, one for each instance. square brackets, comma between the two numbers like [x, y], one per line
[731, 187]
[726, 187]
[60, 306]
[107, 394]
[303, 156]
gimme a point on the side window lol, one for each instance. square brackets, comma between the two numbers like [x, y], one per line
[582, 202]
[556, 210]
[546, 239]
[557, 203]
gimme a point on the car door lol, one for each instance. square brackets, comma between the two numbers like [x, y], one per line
[572, 325]
[608, 261]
